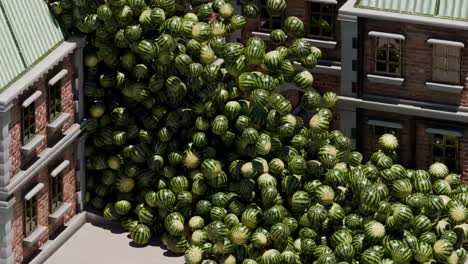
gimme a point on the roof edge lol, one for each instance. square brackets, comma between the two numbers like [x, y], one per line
[349, 8]
[40, 68]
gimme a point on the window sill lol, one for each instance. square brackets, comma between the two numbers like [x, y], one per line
[262, 35]
[59, 213]
[58, 122]
[32, 144]
[396, 81]
[447, 88]
[32, 239]
[324, 44]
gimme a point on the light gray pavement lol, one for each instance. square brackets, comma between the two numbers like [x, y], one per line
[106, 245]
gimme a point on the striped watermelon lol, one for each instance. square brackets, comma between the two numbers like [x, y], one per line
[141, 234]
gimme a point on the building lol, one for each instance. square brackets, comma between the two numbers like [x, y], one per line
[41, 108]
[399, 66]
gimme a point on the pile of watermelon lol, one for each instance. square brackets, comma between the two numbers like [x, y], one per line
[190, 141]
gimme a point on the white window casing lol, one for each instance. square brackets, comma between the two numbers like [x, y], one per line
[444, 132]
[60, 168]
[59, 76]
[373, 122]
[34, 191]
[386, 35]
[31, 99]
[446, 43]
[329, 2]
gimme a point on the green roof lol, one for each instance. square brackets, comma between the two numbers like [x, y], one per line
[448, 9]
[29, 32]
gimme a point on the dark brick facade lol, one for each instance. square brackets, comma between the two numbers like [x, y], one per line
[18, 161]
[416, 56]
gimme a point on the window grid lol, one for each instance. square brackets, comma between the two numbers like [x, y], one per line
[388, 56]
[56, 192]
[54, 101]
[322, 19]
[28, 123]
[445, 149]
[30, 215]
[267, 23]
[378, 131]
[446, 64]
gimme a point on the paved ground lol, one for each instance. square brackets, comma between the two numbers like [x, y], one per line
[101, 245]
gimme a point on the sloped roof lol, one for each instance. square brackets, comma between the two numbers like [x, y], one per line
[28, 32]
[448, 9]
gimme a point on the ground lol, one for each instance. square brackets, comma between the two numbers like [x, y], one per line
[102, 245]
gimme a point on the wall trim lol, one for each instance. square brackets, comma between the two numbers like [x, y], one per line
[374, 122]
[446, 42]
[394, 105]
[349, 9]
[40, 69]
[447, 132]
[45, 157]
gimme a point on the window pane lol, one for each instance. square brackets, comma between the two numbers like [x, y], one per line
[276, 23]
[453, 52]
[381, 42]
[440, 50]
[453, 64]
[440, 75]
[381, 54]
[453, 77]
[379, 131]
[381, 67]
[394, 56]
[451, 141]
[394, 44]
[438, 151]
[328, 9]
[394, 68]
[451, 152]
[451, 164]
[438, 139]
[440, 63]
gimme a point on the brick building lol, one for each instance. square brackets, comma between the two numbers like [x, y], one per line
[398, 66]
[40, 114]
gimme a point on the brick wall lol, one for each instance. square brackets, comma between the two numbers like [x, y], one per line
[406, 135]
[416, 61]
[22, 253]
[16, 158]
[67, 92]
[464, 157]
[299, 8]
[326, 83]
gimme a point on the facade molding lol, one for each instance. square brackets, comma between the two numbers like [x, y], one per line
[447, 88]
[386, 35]
[45, 157]
[40, 69]
[349, 9]
[446, 43]
[381, 123]
[5, 163]
[393, 105]
[6, 231]
[59, 76]
[396, 81]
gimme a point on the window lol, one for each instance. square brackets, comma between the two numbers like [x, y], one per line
[378, 131]
[265, 21]
[54, 100]
[446, 64]
[28, 122]
[56, 192]
[321, 22]
[30, 215]
[388, 56]
[445, 149]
